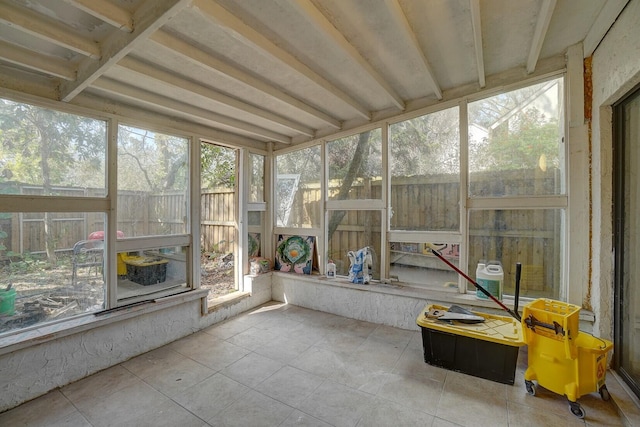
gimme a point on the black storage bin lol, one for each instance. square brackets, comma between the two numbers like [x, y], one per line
[486, 350]
[484, 359]
[146, 271]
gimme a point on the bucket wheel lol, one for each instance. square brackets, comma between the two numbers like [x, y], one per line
[604, 393]
[531, 387]
[576, 409]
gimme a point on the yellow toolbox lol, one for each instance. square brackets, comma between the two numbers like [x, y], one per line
[560, 357]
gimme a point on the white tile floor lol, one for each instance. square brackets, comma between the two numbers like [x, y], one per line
[282, 365]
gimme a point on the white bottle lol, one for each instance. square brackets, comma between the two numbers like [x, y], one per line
[331, 270]
[490, 277]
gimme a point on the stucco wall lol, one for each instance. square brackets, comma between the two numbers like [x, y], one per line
[363, 302]
[616, 70]
[35, 369]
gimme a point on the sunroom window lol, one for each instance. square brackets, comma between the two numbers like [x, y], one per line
[153, 196]
[297, 189]
[517, 191]
[52, 189]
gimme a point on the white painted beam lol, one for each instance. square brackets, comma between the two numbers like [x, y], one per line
[43, 64]
[174, 107]
[149, 17]
[398, 16]
[476, 23]
[542, 25]
[328, 31]
[203, 59]
[168, 78]
[105, 11]
[48, 30]
[241, 31]
[607, 16]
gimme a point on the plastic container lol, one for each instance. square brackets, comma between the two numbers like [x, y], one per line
[146, 270]
[7, 302]
[331, 270]
[490, 277]
[560, 357]
[487, 350]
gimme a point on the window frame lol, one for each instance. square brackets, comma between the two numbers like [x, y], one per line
[466, 203]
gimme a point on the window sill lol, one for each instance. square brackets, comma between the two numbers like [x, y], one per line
[74, 325]
[407, 290]
[226, 301]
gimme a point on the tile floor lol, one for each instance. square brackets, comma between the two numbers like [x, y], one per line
[282, 365]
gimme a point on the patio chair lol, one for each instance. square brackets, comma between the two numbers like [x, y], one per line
[87, 254]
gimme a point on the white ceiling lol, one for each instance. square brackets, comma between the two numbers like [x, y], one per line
[286, 71]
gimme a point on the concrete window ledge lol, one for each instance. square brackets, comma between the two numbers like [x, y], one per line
[74, 325]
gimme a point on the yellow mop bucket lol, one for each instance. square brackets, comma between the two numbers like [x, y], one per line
[560, 357]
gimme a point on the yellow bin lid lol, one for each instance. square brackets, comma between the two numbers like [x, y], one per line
[498, 329]
[144, 261]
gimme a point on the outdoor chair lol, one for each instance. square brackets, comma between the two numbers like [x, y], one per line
[87, 254]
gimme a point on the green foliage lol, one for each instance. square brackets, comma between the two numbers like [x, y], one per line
[150, 161]
[25, 263]
[363, 149]
[40, 146]
[217, 166]
[428, 144]
[305, 162]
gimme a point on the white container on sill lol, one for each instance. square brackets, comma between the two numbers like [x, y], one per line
[331, 270]
[490, 277]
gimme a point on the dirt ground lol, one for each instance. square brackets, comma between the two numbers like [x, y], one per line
[45, 293]
[217, 275]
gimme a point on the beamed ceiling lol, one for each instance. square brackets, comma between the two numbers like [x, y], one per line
[286, 71]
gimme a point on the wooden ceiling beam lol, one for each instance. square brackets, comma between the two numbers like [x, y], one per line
[398, 16]
[48, 30]
[197, 56]
[105, 11]
[476, 24]
[198, 89]
[41, 63]
[542, 25]
[243, 32]
[178, 108]
[328, 31]
[149, 17]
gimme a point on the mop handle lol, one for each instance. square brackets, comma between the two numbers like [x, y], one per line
[473, 282]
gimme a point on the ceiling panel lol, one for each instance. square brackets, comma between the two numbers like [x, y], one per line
[285, 71]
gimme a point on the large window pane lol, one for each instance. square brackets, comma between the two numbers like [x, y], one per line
[425, 172]
[355, 166]
[350, 231]
[152, 183]
[413, 263]
[516, 142]
[218, 219]
[51, 267]
[297, 191]
[151, 273]
[256, 176]
[50, 152]
[531, 237]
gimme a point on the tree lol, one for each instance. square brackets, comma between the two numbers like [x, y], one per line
[50, 148]
[150, 161]
[217, 166]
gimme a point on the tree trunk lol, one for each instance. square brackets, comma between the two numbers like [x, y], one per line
[45, 151]
[358, 158]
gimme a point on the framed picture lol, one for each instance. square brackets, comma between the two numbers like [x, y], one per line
[295, 253]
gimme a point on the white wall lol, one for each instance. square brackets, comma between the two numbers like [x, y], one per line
[34, 369]
[616, 70]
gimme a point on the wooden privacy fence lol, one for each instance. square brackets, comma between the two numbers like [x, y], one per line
[531, 237]
[419, 203]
